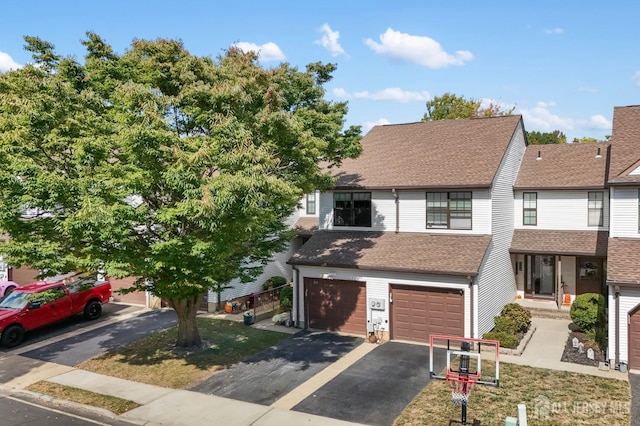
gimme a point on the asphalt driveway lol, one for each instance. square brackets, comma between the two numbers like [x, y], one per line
[271, 374]
[377, 388]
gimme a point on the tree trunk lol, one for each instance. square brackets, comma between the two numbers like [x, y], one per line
[187, 327]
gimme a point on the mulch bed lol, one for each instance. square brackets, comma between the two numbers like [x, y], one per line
[572, 354]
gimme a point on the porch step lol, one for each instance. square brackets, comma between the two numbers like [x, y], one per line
[549, 313]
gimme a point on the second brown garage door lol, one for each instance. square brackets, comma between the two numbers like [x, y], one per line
[417, 312]
[634, 338]
[336, 305]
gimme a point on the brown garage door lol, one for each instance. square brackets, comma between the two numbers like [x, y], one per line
[633, 342]
[417, 312]
[336, 305]
[136, 298]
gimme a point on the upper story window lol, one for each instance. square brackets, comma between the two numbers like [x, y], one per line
[352, 209]
[311, 203]
[595, 208]
[449, 210]
[530, 208]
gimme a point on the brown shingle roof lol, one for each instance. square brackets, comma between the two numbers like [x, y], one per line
[388, 251]
[564, 166]
[623, 260]
[576, 243]
[444, 153]
[625, 144]
[306, 225]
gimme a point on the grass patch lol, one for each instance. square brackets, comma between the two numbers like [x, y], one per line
[552, 398]
[155, 360]
[111, 403]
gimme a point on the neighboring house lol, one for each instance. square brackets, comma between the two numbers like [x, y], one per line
[305, 221]
[561, 221]
[623, 256]
[414, 238]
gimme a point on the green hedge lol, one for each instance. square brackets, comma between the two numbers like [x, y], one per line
[588, 311]
[506, 340]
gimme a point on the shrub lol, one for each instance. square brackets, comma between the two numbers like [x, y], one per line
[588, 311]
[520, 316]
[274, 282]
[505, 324]
[286, 297]
[506, 340]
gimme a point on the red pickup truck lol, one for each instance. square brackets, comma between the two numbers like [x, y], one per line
[42, 303]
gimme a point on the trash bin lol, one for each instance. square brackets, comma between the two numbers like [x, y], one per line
[248, 318]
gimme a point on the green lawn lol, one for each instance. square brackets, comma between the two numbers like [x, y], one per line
[552, 398]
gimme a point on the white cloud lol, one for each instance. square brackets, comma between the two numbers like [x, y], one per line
[553, 31]
[636, 78]
[267, 52]
[541, 119]
[394, 94]
[419, 50]
[7, 63]
[370, 124]
[329, 40]
[487, 102]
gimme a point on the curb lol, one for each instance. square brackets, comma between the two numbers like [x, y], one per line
[103, 412]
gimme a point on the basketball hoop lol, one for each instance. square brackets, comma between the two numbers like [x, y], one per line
[461, 388]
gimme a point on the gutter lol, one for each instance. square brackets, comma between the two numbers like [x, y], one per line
[616, 297]
[297, 284]
[397, 198]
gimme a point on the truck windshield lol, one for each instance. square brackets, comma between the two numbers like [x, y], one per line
[15, 300]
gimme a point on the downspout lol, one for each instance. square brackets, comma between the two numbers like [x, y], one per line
[296, 273]
[471, 310]
[395, 195]
[616, 296]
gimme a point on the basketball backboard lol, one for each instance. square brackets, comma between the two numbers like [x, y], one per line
[474, 359]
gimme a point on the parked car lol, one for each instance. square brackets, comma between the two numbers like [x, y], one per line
[7, 287]
[36, 305]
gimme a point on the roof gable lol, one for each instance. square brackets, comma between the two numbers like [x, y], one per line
[625, 145]
[564, 166]
[444, 153]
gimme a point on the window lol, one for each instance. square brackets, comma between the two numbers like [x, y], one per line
[311, 203]
[530, 208]
[352, 209]
[449, 210]
[595, 208]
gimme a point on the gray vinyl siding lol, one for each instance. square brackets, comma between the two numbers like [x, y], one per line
[629, 299]
[496, 285]
[624, 212]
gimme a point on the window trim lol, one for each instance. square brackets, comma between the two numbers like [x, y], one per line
[311, 202]
[352, 214]
[450, 212]
[526, 210]
[590, 209]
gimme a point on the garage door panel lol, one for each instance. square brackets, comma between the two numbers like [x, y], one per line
[418, 312]
[633, 342]
[336, 305]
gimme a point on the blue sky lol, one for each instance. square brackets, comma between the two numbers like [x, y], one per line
[563, 64]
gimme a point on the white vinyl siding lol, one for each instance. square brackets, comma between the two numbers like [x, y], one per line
[496, 285]
[629, 299]
[624, 208]
[382, 212]
[378, 287]
[413, 213]
[562, 210]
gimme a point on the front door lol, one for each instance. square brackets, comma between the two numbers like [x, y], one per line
[540, 276]
[589, 275]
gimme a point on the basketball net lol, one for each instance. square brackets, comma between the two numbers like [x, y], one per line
[461, 387]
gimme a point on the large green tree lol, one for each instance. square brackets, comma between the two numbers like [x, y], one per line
[546, 138]
[451, 106]
[176, 169]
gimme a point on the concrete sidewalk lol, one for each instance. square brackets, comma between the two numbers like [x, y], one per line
[546, 346]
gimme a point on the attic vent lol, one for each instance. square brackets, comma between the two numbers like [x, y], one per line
[539, 157]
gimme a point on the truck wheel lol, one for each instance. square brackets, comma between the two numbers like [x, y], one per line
[12, 336]
[93, 310]
[8, 290]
